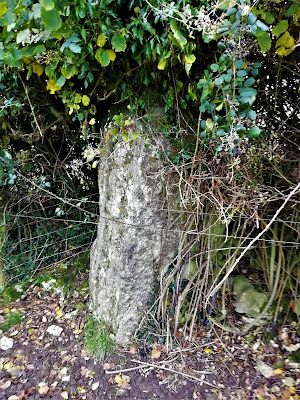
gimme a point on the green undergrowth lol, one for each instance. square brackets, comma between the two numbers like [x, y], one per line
[98, 339]
[49, 248]
[13, 318]
[64, 279]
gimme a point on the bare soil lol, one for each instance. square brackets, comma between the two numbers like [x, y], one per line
[215, 366]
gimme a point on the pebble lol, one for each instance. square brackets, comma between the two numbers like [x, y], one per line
[289, 381]
[264, 369]
[54, 330]
[6, 343]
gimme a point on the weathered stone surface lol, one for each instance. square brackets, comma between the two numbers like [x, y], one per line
[248, 300]
[134, 236]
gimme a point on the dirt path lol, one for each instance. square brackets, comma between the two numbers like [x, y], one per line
[43, 357]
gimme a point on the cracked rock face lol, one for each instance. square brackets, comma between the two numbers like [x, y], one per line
[134, 239]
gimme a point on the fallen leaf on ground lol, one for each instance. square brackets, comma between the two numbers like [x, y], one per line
[43, 388]
[155, 354]
[261, 391]
[264, 369]
[5, 385]
[132, 349]
[107, 366]
[59, 313]
[95, 385]
[122, 381]
[64, 395]
[286, 395]
[277, 371]
[290, 382]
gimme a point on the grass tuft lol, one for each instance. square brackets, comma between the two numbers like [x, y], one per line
[98, 338]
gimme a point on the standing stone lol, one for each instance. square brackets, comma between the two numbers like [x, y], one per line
[135, 237]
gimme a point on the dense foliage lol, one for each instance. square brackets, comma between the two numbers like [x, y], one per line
[224, 74]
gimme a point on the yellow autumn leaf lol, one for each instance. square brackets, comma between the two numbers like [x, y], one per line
[3, 8]
[59, 313]
[162, 64]
[112, 55]
[277, 371]
[285, 40]
[27, 60]
[155, 354]
[38, 69]
[77, 98]
[292, 389]
[101, 40]
[118, 379]
[85, 100]
[6, 310]
[52, 86]
[282, 51]
[208, 351]
[7, 366]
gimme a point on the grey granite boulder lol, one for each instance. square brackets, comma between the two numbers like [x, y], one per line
[135, 236]
[248, 300]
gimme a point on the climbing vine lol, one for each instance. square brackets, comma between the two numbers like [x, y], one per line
[83, 52]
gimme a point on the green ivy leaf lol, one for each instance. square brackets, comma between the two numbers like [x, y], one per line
[247, 92]
[241, 73]
[102, 57]
[61, 81]
[178, 35]
[101, 40]
[251, 18]
[3, 8]
[219, 80]
[118, 43]
[253, 132]
[40, 48]
[75, 48]
[249, 82]
[292, 10]
[47, 4]
[23, 36]
[230, 11]
[264, 42]
[269, 18]
[262, 26]
[12, 58]
[69, 71]
[8, 18]
[251, 114]
[214, 67]
[36, 9]
[239, 63]
[280, 28]
[190, 59]
[51, 19]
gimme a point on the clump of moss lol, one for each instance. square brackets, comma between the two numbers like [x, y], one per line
[12, 319]
[10, 294]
